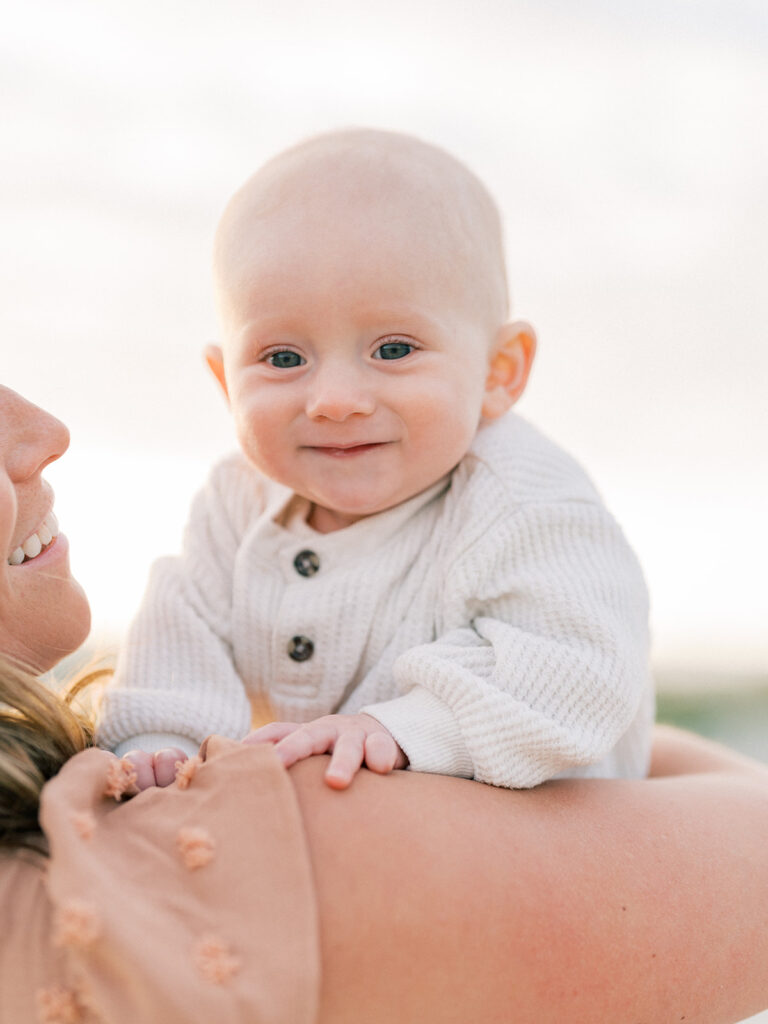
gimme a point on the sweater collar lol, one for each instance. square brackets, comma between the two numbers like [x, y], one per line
[290, 512]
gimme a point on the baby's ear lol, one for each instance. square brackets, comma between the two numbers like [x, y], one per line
[215, 359]
[511, 359]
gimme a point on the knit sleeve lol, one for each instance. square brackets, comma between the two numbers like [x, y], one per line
[176, 681]
[548, 661]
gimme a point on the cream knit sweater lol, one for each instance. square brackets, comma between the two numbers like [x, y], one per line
[496, 624]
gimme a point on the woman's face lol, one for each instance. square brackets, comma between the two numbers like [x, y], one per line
[44, 613]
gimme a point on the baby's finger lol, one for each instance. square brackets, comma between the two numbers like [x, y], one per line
[165, 764]
[314, 738]
[380, 752]
[347, 759]
[145, 771]
[271, 733]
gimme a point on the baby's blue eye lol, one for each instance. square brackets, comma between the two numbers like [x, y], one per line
[285, 360]
[393, 350]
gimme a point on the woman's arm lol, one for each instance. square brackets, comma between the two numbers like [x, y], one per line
[676, 752]
[444, 900]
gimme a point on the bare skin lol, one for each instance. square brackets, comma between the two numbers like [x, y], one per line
[447, 901]
[44, 613]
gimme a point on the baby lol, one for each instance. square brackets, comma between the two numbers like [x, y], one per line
[394, 559]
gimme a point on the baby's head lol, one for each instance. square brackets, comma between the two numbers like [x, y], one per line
[362, 293]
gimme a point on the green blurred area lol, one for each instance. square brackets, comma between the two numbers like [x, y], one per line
[735, 714]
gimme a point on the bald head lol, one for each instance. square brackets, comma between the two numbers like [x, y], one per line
[383, 184]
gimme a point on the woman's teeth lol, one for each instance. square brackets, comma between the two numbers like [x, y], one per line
[33, 545]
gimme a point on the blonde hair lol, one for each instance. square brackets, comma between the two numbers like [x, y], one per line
[39, 732]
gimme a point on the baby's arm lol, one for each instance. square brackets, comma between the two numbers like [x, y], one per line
[176, 681]
[550, 665]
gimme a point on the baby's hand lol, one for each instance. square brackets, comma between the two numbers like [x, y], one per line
[158, 769]
[353, 740]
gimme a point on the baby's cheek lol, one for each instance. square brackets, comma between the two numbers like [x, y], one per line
[248, 438]
[448, 416]
[255, 425]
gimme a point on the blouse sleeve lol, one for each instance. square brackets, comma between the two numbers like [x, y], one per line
[193, 902]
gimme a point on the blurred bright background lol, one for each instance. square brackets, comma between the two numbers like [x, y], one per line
[626, 145]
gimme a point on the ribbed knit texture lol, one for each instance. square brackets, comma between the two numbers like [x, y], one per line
[496, 624]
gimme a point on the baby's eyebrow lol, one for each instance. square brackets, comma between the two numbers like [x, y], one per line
[387, 320]
[406, 321]
[255, 328]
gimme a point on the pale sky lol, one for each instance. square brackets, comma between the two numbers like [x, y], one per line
[625, 144]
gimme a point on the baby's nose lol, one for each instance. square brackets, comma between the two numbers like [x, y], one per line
[339, 391]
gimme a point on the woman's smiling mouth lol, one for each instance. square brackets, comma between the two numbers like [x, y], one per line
[37, 542]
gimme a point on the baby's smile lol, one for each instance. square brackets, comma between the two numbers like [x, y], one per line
[348, 450]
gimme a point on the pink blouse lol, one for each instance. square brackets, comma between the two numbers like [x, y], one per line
[190, 903]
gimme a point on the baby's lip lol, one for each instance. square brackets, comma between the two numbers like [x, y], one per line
[347, 451]
[345, 445]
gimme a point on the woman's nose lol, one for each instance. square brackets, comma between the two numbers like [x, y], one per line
[30, 438]
[337, 391]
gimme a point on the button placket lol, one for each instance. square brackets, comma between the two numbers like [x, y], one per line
[306, 563]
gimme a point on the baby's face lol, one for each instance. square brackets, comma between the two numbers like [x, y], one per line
[355, 368]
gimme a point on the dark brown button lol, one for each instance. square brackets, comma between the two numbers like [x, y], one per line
[306, 563]
[300, 648]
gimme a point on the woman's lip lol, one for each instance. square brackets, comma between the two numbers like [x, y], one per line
[49, 515]
[57, 549]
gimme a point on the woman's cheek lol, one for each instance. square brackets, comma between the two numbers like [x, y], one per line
[57, 619]
[7, 515]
